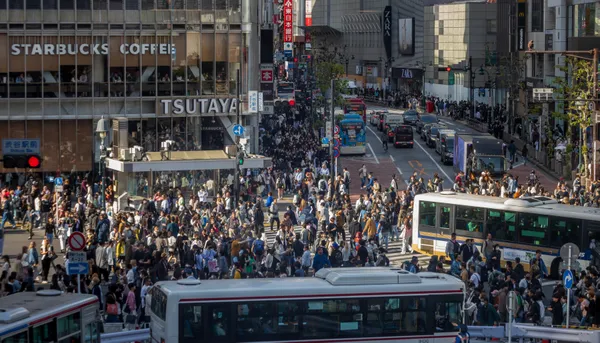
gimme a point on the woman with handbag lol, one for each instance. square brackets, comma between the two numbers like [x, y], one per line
[130, 309]
[112, 307]
[47, 255]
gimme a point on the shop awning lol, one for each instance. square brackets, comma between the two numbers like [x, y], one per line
[321, 30]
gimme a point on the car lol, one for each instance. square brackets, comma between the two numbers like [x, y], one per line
[423, 133]
[447, 149]
[410, 117]
[425, 119]
[374, 118]
[403, 136]
[432, 134]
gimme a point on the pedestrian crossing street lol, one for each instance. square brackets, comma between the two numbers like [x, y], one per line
[394, 253]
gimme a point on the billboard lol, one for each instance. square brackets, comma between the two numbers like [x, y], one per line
[406, 36]
[387, 31]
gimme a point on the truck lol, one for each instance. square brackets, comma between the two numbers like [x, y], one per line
[474, 153]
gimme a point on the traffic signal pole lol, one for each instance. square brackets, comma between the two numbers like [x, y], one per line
[332, 110]
[236, 192]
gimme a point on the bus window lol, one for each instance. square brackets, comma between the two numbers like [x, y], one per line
[469, 221]
[564, 230]
[218, 322]
[44, 333]
[532, 229]
[287, 317]
[448, 314]
[502, 225]
[445, 211]
[255, 319]
[404, 316]
[158, 304]
[190, 325]
[20, 337]
[427, 214]
[333, 318]
[68, 325]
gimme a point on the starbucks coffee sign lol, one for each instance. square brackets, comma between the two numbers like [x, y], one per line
[89, 49]
[198, 106]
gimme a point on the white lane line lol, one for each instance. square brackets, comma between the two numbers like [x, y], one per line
[434, 161]
[391, 157]
[373, 152]
[399, 171]
[376, 136]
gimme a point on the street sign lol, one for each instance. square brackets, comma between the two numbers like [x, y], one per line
[266, 75]
[325, 140]
[77, 257]
[336, 130]
[76, 241]
[269, 109]
[252, 101]
[328, 129]
[543, 94]
[336, 143]
[261, 105]
[336, 153]
[569, 250]
[58, 181]
[20, 147]
[78, 268]
[238, 130]
[568, 279]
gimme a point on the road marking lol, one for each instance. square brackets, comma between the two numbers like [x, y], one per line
[373, 152]
[391, 157]
[435, 162]
[399, 171]
[417, 166]
[379, 139]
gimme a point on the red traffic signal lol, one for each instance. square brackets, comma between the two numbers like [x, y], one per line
[295, 59]
[292, 102]
[448, 69]
[22, 161]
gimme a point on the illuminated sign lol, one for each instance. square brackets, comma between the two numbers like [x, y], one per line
[88, 49]
[198, 106]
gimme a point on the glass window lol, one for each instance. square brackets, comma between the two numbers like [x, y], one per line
[469, 220]
[44, 333]
[502, 225]
[218, 322]
[67, 4]
[537, 15]
[158, 305]
[208, 68]
[16, 4]
[427, 213]
[20, 337]
[191, 322]
[564, 230]
[333, 318]
[448, 314]
[235, 48]
[532, 229]
[69, 325]
[396, 316]
[445, 212]
[221, 49]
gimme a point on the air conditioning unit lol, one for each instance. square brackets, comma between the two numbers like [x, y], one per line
[135, 153]
[124, 154]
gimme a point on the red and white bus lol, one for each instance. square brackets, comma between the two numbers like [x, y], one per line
[338, 305]
[49, 316]
[356, 105]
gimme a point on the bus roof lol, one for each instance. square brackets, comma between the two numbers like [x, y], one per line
[352, 115]
[343, 282]
[23, 309]
[535, 204]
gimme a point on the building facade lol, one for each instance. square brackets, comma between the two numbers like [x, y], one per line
[454, 34]
[381, 41]
[170, 67]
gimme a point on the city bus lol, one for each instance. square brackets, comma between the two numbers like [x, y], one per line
[337, 305]
[520, 226]
[356, 105]
[353, 135]
[286, 90]
[49, 316]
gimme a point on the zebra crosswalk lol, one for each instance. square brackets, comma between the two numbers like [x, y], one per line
[394, 250]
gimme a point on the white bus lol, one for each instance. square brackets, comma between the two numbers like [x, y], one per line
[338, 305]
[519, 226]
[49, 316]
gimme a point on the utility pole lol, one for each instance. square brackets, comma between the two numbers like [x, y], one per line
[332, 110]
[236, 184]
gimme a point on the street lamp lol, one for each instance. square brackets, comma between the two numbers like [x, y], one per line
[386, 64]
[102, 131]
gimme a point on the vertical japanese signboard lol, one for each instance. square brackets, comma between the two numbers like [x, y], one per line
[308, 23]
[288, 35]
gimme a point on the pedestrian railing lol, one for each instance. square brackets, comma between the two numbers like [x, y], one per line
[142, 335]
[530, 331]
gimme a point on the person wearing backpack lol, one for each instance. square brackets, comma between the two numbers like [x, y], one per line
[413, 267]
[258, 247]
[452, 247]
[336, 258]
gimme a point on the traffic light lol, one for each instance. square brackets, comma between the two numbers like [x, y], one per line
[448, 69]
[295, 59]
[292, 102]
[22, 161]
[240, 158]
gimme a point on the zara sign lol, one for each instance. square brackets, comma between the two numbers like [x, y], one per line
[198, 106]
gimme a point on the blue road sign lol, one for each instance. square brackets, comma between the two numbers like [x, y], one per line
[336, 143]
[568, 279]
[238, 130]
[325, 140]
[74, 268]
[336, 153]
[58, 181]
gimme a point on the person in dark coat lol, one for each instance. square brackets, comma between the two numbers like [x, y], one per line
[556, 309]
[162, 268]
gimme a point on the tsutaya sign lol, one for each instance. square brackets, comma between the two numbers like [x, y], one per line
[198, 106]
[88, 49]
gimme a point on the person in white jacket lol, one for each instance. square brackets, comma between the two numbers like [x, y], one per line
[110, 255]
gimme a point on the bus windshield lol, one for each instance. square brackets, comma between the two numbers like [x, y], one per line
[490, 163]
[285, 90]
